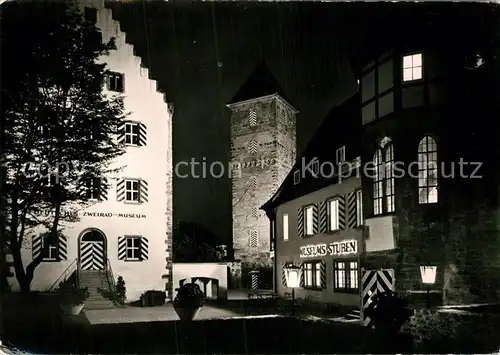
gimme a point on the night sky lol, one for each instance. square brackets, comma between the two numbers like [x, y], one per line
[201, 53]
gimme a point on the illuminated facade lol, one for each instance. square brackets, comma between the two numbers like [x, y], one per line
[317, 218]
[127, 231]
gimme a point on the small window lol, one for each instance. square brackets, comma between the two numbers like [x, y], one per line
[333, 215]
[312, 274]
[254, 239]
[285, 227]
[315, 168]
[252, 118]
[132, 133]
[412, 67]
[133, 248]
[340, 155]
[50, 253]
[345, 276]
[255, 212]
[296, 177]
[93, 188]
[359, 208]
[132, 191]
[94, 130]
[44, 131]
[309, 221]
[252, 183]
[252, 147]
[115, 82]
[90, 15]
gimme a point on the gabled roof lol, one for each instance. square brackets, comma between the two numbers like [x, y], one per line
[341, 127]
[261, 82]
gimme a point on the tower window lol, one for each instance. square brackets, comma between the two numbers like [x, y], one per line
[253, 239]
[252, 118]
[412, 67]
[252, 147]
[255, 213]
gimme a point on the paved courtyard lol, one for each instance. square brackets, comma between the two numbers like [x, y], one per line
[153, 314]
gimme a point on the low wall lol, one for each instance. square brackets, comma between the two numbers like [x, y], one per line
[215, 275]
[452, 331]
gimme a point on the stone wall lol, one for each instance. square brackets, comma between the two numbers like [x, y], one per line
[261, 156]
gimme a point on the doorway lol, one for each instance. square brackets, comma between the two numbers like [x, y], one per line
[92, 250]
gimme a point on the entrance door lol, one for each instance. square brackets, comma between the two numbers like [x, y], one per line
[92, 251]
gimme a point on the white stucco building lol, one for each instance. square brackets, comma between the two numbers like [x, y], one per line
[127, 231]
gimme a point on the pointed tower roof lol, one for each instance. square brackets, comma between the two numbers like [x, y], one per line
[261, 82]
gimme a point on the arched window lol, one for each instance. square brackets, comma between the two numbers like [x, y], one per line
[383, 185]
[427, 171]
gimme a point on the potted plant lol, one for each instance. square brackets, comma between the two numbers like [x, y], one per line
[189, 301]
[72, 298]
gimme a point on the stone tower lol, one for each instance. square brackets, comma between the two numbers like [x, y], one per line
[263, 148]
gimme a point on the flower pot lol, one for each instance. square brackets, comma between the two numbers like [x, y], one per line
[187, 312]
[71, 309]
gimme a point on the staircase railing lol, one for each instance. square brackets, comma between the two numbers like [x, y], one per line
[110, 278]
[64, 276]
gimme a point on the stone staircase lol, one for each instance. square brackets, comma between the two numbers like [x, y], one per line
[353, 315]
[99, 289]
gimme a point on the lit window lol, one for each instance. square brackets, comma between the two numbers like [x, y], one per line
[333, 215]
[427, 171]
[383, 184]
[312, 274]
[345, 276]
[359, 208]
[285, 226]
[132, 191]
[132, 133]
[253, 239]
[340, 155]
[412, 67]
[309, 222]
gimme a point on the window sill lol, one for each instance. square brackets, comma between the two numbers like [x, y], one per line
[385, 214]
[311, 288]
[132, 145]
[132, 260]
[132, 203]
[346, 291]
[334, 231]
[51, 260]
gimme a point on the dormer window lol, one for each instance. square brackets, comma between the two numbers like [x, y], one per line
[412, 67]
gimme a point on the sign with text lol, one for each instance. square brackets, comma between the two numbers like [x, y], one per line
[91, 214]
[344, 247]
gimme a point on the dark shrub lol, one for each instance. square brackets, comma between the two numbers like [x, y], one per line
[121, 290]
[70, 294]
[388, 311]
